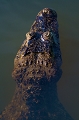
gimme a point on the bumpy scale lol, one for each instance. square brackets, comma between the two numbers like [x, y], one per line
[36, 72]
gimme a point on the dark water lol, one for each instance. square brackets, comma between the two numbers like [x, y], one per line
[16, 18]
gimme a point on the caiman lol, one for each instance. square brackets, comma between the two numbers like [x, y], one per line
[37, 68]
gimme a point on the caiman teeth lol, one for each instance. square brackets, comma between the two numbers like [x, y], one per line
[37, 61]
[30, 62]
[27, 62]
[45, 63]
[40, 62]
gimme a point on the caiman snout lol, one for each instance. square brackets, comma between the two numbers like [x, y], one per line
[37, 42]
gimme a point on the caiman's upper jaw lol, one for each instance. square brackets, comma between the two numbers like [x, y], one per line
[46, 20]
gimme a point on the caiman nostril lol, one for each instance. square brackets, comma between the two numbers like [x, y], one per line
[46, 10]
[49, 12]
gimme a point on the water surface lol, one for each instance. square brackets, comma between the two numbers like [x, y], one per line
[16, 18]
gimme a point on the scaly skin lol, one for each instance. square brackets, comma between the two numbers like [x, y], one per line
[36, 72]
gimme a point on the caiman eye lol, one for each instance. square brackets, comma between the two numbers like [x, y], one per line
[46, 36]
[30, 35]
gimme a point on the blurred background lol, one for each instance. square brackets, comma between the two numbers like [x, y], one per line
[16, 18]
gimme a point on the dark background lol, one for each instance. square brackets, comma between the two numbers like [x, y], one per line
[16, 18]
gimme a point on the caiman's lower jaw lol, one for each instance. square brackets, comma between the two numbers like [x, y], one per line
[35, 65]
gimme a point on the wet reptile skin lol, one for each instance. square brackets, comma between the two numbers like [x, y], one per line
[36, 72]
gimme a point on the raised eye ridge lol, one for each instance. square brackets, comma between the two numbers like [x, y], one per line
[46, 36]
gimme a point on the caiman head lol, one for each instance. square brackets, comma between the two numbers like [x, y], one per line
[43, 33]
[39, 55]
